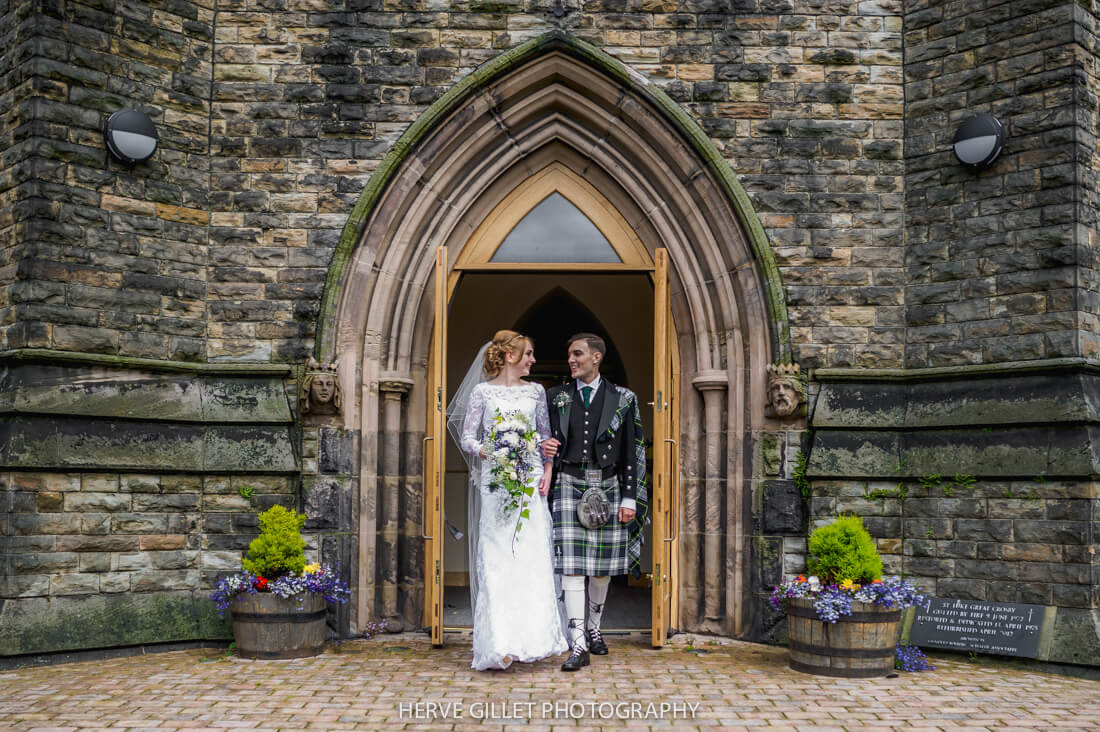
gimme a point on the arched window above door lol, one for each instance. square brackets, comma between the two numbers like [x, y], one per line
[555, 231]
[554, 219]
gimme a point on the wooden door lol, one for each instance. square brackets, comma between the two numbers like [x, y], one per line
[664, 455]
[435, 458]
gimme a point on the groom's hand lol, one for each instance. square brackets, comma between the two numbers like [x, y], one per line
[626, 514]
[550, 448]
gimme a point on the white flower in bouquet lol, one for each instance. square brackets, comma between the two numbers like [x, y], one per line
[512, 446]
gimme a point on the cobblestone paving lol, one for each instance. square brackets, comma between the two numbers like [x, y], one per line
[388, 682]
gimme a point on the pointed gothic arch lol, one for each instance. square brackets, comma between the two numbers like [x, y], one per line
[556, 101]
[555, 178]
[558, 314]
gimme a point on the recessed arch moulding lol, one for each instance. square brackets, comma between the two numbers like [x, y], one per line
[556, 102]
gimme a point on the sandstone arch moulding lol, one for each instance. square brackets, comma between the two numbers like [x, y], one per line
[555, 101]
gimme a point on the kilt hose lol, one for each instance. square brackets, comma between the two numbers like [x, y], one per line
[589, 552]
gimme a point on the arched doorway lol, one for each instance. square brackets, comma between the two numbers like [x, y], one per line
[552, 258]
[555, 104]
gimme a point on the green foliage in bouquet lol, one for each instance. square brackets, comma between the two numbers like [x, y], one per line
[844, 550]
[279, 549]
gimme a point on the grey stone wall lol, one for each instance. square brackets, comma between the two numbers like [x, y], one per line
[977, 484]
[112, 259]
[805, 103]
[146, 545]
[998, 540]
[780, 502]
[127, 488]
[330, 486]
[1088, 176]
[813, 128]
[991, 257]
[272, 119]
[16, 140]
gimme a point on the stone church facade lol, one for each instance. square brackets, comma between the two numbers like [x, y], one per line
[792, 156]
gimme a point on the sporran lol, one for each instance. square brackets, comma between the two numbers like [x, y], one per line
[593, 510]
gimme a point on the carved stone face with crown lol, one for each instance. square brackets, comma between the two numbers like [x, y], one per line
[320, 392]
[784, 389]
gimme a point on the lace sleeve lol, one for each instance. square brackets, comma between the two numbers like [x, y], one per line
[471, 427]
[542, 414]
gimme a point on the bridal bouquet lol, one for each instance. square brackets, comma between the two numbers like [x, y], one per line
[512, 445]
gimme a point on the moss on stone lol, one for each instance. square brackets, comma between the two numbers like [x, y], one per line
[144, 364]
[1076, 636]
[40, 625]
[769, 452]
[249, 448]
[79, 387]
[100, 444]
[1005, 368]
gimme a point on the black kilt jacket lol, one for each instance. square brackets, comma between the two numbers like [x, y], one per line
[618, 446]
[618, 433]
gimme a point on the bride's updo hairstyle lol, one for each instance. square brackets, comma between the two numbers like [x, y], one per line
[504, 342]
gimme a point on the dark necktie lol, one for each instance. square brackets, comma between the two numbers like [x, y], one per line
[586, 393]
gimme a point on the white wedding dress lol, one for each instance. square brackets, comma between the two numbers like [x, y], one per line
[516, 615]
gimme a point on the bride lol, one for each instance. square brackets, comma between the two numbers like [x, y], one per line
[503, 419]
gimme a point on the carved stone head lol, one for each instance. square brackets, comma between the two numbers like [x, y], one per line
[784, 388]
[320, 392]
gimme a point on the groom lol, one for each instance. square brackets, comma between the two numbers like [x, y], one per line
[599, 496]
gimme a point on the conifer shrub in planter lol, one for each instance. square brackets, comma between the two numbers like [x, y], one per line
[278, 601]
[843, 619]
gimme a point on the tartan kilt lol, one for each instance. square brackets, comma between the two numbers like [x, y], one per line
[589, 552]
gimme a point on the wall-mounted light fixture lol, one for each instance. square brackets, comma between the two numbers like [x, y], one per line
[130, 136]
[979, 141]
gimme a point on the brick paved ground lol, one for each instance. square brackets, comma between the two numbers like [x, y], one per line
[362, 684]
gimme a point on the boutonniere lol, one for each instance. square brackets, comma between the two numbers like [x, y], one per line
[561, 400]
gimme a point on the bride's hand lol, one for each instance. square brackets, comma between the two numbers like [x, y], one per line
[544, 483]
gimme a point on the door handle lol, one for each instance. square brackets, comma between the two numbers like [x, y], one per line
[424, 462]
[673, 484]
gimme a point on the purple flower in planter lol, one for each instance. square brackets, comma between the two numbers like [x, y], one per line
[832, 601]
[316, 580]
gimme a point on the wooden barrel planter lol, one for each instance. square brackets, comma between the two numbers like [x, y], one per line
[269, 626]
[860, 645]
